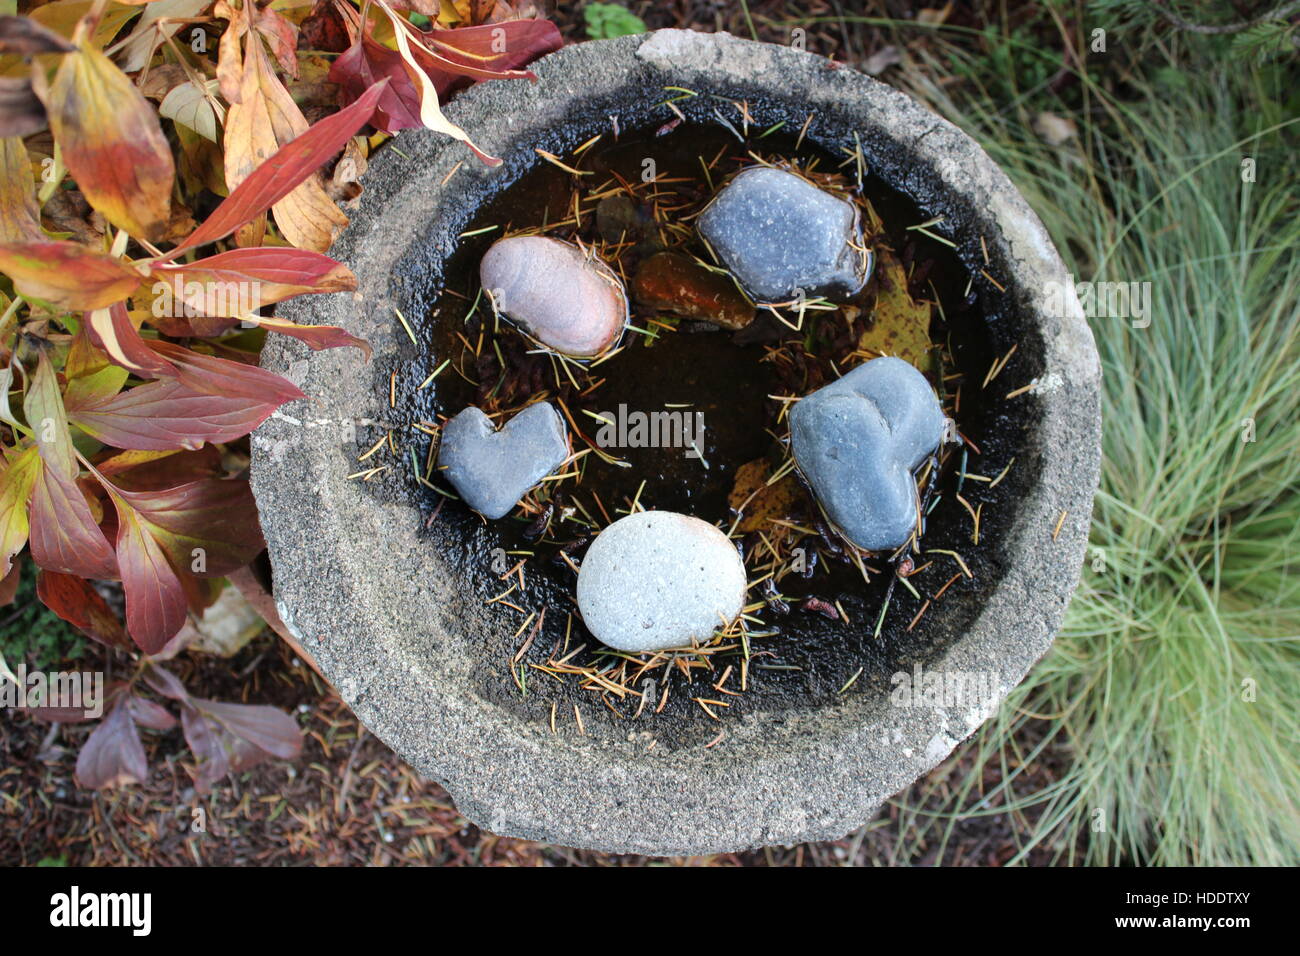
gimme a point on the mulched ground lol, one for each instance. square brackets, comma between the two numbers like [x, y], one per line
[348, 800]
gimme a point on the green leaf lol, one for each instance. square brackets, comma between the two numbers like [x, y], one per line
[608, 20]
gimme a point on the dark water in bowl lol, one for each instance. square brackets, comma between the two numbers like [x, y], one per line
[809, 659]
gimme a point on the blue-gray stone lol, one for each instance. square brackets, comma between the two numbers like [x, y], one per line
[493, 468]
[780, 235]
[858, 440]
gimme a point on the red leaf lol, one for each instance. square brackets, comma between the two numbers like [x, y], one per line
[218, 376]
[168, 414]
[68, 274]
[365, 63]
[112, 331]
[155, 600]
[146, 713]
[281, 174]
[324, 29]
[488, 51]
[226, 737]
[316, 337]
[64, 535]
[215, 517]
[74, 600]
[241, 281]
[153, 470]
[113, 753]
[266, 728]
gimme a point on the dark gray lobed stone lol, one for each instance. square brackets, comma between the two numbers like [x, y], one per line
[857, 442]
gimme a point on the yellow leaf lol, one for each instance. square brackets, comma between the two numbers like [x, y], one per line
[112, 143]
[899, 325]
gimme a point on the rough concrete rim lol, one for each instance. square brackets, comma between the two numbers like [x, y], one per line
[835, 766]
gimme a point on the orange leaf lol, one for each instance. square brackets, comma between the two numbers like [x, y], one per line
[67, 274]
[112, 142]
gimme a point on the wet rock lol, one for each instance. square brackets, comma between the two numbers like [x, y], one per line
[657, 579]
[622, 219]
[493, 468]
[566, 301]
[780, 235]
[857, 442]
[673, 283]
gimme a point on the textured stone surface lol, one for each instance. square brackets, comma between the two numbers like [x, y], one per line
[493, 468]
[560, 296]
[781, 236]
[857, 441]
[657, 580]
[401, 648]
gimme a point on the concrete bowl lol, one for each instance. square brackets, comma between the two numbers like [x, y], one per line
[377, 597]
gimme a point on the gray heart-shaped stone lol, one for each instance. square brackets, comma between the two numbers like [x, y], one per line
[492, 469]
[858, 440]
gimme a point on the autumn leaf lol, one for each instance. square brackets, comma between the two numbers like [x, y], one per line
[112, 330]
[17, 476]
[111, 141]
[219, 376]
[899, 324]
[113, 754]
[165, 415]
[259, 122]
[75, 601]
[280, 174]
[155, 600]
[207, 528]
[324, 28]
[408, 44]
[759, 502]
[204, 528]
[232, 284]
[64, 535]
[316, 337]
[233, 737]
[20, 218]
[367, 62]
[489, 51]
[67, 274]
